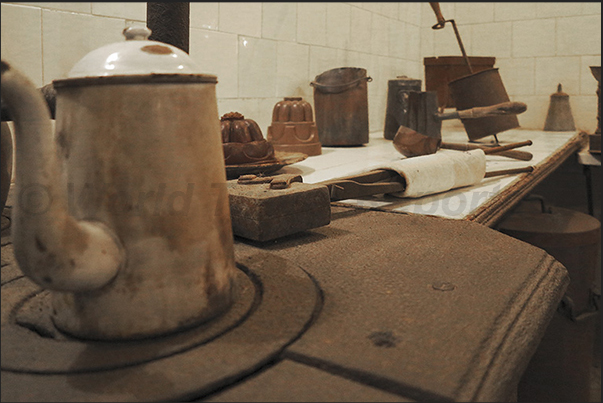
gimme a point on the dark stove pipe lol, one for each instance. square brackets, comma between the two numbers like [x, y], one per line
[169, 23]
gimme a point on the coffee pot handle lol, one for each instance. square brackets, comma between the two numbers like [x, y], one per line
[51, 247]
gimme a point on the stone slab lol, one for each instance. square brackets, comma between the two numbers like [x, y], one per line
[289, 381]
[428, 308]
[402, 306]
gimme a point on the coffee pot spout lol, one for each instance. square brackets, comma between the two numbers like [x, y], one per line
[53, 249]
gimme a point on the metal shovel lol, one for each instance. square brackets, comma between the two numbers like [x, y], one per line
[480, 89]
[424, 118]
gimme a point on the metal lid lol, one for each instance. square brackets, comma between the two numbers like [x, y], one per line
[135, 57]
[559, 92]
[557, 227]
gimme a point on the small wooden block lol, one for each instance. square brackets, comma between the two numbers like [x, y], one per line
[260, 213]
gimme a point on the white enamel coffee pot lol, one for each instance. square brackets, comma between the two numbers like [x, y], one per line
[123, 211]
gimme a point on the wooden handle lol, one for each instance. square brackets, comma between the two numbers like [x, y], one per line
[511, 171]
[494, 150]
[515, 154]
[436, 9]
[505, 108]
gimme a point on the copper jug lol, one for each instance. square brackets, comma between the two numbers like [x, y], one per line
[559, 117]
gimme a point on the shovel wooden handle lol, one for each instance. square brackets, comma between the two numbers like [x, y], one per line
[512, 171]
[515, 154]
[436, 9]
[494, 150]
[505, 108]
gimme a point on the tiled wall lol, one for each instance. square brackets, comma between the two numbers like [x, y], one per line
[536, 45]
[262, 52]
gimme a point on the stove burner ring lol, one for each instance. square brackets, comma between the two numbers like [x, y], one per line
[65, 354]
[275, 302]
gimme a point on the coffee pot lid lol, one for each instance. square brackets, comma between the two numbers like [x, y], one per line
[136, 56]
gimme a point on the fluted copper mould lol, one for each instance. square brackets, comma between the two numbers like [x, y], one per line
[243, 141]
[293, 128]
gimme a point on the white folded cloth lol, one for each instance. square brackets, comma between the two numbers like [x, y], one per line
[439, 172]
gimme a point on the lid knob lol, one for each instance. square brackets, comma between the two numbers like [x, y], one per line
[136, 33]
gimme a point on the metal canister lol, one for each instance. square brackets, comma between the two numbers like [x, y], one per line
[560, 369]
[396, 113]
[341, 106]
[483, 88]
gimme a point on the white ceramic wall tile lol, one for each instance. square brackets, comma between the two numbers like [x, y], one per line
[414, 69]
[312, 23]
[62, 48]
[323, 59]
[129, 10]
[360, 36]
[249, 108]
[551, 71]
[397, 38]
[591, 8]
[493, 39]
[241, 18]
[588, 84]
[217, 53]
[413, 47]
[473, 13]
[76, 7]
[513, 11]
[226, 105]
[258, 109]
[535, 116]
[518, 75]
[380, 72]
[445, 43]
[301, 40]
[380, 35]
[401, 67]
[373, 7]
[292, 68]
[204, 15]
[534, 38]
[266, 106]
[356, 59]
[21, 40]
[390, 9]
[579, 35]
[584, 111]
[279, 21]
[257, 67]
[427, 42]
[338, 25]
[376, 107]
[409, 13]
[558, 9]
[414, 13]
